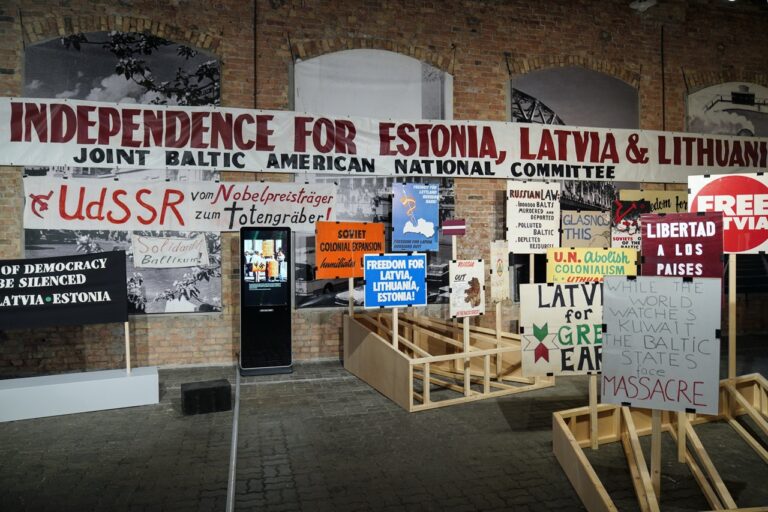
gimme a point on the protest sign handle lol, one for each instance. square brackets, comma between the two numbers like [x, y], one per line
[395, 329]
[499, 356]
[531, 269]
[731, 316]
[656, 452]
[682, 421]
[127, 348]
[467, 365]
[593, 412]
[351, 297]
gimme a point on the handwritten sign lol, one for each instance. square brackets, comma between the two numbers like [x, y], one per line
[500, 283]
[533, 216]
[467, 278]
[683, 244]
[395, 280]
[659, 201]
[156, 252]
[340, 247]
[583, 264]
[562, 328]
[87, 204]
[661, 348]
[585, 229]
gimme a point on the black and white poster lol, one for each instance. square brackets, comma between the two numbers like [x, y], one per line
[70, 290]
[132, 68]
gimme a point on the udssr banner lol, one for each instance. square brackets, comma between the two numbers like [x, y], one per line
[70, 290]
[562, 328]
[87, 204]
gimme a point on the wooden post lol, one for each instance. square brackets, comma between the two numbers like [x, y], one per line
[531, 268]
[467, 365]
[127, 348]
[682, 422]
[351, 297]
[426, 386]
[656, 452]
[593, 431]
[394, 328]
[487, 374]
[500, 356]
[731, 316]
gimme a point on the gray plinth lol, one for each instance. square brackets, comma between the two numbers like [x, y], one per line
[53, 395]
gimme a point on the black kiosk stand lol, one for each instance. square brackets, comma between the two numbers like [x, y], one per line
[265, 301]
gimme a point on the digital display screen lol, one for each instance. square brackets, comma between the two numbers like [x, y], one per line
[265, 266]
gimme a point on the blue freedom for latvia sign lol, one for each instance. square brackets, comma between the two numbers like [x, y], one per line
[415, 217]
[395, 280]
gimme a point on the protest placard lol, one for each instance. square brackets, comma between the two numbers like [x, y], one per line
[395, 280]
[533, 216]
[467, 278]
[582, 264]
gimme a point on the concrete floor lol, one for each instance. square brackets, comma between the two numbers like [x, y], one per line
[320, 439]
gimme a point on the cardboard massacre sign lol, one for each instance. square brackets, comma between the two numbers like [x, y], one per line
[661, 346]
[69, 290]
[49, 132]
[340, 247]
[562, 328]
[683, 244]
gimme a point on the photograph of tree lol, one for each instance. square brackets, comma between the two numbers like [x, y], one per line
[128, 67]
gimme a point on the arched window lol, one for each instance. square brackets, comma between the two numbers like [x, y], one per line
[381, 85]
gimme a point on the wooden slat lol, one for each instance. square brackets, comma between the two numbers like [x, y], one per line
[648, 494]
[709, 468]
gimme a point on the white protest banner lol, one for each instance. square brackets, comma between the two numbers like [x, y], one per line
[48, 132]
[87, 204]
[659, 201]
[533, 216]
[661, 346]
[157, 252]
[500, 283]
[466, 278]
[562, 328]
[743, 200]
[585, 229]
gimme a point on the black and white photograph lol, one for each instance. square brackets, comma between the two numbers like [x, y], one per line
[127, 67]
[734, 108]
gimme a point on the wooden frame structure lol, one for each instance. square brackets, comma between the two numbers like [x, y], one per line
[742, 396]
[462, 363]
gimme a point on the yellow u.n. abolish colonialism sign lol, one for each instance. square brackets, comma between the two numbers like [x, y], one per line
[585, 264]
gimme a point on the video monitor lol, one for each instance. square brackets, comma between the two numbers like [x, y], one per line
[265, 257]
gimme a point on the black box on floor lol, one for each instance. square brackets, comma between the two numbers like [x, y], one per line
[207, 396]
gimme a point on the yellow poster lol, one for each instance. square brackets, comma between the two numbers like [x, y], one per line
[587, 264]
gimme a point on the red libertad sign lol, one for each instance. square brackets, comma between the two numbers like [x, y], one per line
[743, 200]
[682, 244]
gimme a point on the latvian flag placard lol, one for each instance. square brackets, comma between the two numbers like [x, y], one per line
[454, 227]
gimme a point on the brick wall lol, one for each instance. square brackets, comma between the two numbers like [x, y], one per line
[479, 42]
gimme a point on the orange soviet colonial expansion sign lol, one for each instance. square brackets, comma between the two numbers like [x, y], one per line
[340, 247]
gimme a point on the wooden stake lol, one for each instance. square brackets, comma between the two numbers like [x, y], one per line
[351, 297]
[593, 431]
[499, 357]
[531, 268]
[426, 383]
[682, 422]
[732, 316]
[467, 387]
[394, 328]
[127, 348]
[656, 452]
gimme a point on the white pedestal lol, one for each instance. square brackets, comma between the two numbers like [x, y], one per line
[53, 395]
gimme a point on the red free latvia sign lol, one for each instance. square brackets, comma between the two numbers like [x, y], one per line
[682, 244]
[743, 201]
